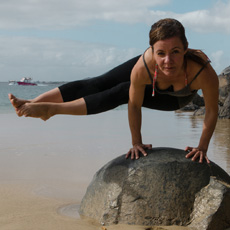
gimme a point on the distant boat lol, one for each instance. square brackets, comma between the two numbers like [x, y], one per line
[23, 81]
[11, 82]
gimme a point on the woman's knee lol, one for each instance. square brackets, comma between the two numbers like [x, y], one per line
[53, 95]
[108, 99]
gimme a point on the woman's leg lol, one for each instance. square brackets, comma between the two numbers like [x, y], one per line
[91, 104]
[82, 88]
[45, 110]
[53, 95]
[83, 97]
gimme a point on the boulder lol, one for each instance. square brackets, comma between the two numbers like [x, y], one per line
[215, 215]
[224, 110]
[224, 96]
[194, 105]
[226, 71]
[197, 105]
[199, 112]
[198, 100]
[190, 107]
[224, 87]
[163, 188]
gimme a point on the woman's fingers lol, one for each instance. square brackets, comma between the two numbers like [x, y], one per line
[196, 153]
[136, 150]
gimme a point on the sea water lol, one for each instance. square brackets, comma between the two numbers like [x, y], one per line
[168, 129]
[25, 92]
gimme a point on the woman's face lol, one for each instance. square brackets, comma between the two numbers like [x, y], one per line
[169, 55]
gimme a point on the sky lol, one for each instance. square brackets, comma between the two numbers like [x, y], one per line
[56, 40]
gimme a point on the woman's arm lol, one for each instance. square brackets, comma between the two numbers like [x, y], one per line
[136, 97]
[210, 87]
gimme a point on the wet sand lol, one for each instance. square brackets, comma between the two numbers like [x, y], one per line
[45, 167]
[22, 209]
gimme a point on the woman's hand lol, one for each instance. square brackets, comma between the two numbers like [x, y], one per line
[134, 151]
[197, 153]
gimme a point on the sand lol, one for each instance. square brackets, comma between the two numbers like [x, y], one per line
[22, 209]
[45, 168]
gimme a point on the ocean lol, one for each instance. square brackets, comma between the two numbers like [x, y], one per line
[169, 129]
[21, 92]
[46, 167]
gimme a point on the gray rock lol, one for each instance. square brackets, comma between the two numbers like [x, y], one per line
[224, 98]
[226, 71]
[198, 100]
[224, 110]
[212, 207]
[199, 112]
[190, 107]
[224, 95]
[194, 105]
[159, 189]
[224, 87]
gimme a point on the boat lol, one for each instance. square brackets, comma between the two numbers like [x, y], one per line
[11, 82]
[26, 81]
[23, 81]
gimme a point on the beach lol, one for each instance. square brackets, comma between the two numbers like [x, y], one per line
[45, 167]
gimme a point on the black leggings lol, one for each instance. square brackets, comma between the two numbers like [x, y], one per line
[111, 89]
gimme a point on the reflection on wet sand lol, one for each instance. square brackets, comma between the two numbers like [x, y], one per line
[221, 143]
[219, 148]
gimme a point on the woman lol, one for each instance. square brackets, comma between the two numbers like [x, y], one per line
[166, 77]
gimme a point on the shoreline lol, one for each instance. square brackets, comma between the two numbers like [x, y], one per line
[46, 167]
[21, 208]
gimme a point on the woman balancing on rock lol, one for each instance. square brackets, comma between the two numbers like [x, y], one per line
[165, 77]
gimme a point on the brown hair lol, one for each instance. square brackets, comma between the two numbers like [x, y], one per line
[168, 28]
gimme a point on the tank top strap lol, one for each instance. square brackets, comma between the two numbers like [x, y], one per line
[147, 68]
[201, 69]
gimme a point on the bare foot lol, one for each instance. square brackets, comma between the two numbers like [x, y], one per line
[36, 110]
[16, 102]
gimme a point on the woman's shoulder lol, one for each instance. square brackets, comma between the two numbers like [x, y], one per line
[203, 72]
[142, 69]
[197, 60]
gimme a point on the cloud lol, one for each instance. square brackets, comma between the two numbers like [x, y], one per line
[216, 19]
[45, 59]
[58, 14]
[69, 60]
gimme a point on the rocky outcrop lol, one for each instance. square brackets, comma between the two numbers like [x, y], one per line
[215, 215]
[197, 105]
[226, 71]
[224, 95]
[163, 188]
